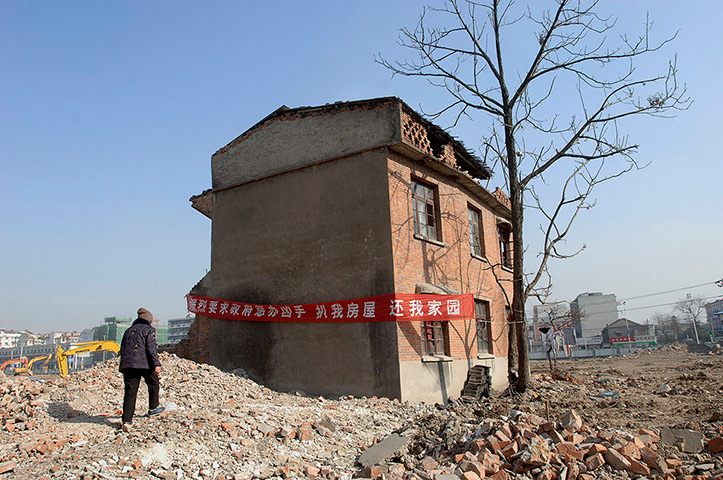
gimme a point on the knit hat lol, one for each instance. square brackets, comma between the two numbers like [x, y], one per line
[145, 314]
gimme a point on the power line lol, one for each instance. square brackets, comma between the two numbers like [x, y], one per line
[667, 304]
[717, 282]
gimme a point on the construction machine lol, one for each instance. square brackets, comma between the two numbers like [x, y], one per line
[23, 361]
[107, 345]
[27, 369]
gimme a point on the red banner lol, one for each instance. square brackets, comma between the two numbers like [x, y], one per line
[394, 307]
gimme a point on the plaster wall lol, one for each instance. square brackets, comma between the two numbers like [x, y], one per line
[291, 142]
[315, 234]
[439, 381]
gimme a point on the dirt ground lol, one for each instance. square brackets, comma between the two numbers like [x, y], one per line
[695, 399]
[224, 425]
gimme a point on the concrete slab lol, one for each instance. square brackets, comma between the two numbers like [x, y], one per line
[382, 450]
[692, 442]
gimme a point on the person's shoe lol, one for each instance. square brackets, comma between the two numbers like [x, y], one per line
[126, 427]
[156, 411]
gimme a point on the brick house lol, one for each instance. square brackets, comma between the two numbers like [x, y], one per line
[347, 201]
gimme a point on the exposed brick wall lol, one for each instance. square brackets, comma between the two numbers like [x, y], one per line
[451, 264]
[414, 133]
[197, 344]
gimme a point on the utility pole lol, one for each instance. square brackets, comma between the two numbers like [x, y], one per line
[695, 321]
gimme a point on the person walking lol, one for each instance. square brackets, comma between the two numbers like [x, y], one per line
[139, 359]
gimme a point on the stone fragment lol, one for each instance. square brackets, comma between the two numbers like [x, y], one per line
[568, 449]
[571, 421]
[638, 467]
[689, 440]
[536, 454]
[470, 475]
[715, 445]
[653, 460]
[596, 448]
[446, 476]
[663, 389]
[616, 460]
[7, 467]
[594, 461]
[383, 450]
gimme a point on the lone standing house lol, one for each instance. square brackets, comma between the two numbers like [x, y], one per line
[346, 201]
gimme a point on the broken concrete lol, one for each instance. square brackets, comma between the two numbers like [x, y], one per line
[383, 450]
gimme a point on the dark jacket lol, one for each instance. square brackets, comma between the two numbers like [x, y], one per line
[138, 347]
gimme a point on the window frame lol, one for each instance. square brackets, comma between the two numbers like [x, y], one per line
[476, 249]
[483, 323]
[427, 190]
[436, 338]
[505, 244]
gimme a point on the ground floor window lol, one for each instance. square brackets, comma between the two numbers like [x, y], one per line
[436, 338]
[482, 317]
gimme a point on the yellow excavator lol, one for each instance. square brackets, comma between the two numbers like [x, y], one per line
[98, 346]
[26, 369]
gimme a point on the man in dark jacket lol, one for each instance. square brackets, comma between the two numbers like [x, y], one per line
[139, 359]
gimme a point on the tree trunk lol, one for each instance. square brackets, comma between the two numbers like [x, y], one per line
[518, 272]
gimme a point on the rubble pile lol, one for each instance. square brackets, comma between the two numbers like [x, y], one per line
[216, 425]
[529, 446]
[222, 425]
[19, 404]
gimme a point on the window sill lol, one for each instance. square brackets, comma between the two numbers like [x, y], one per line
[436, 358]
[485, 356]
[479, 257]
[430, 240]
[507, 269]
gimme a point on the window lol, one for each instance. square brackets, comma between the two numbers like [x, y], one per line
[475, 231]
[426, 218]
[503, 231]
[482, 316]
[435, 338]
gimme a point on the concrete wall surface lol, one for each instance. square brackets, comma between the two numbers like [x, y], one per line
[289, 143]
[437, 381]
[317, 234]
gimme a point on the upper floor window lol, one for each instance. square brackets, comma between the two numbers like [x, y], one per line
[426, 216]
[503, 230]
[475, 231]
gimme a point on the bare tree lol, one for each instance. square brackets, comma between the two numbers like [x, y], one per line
[690, 308]
[668, 326]
[537, 137]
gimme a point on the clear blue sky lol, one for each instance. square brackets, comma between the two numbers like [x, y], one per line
[110, 112]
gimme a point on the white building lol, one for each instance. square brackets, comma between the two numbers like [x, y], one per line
[178, 329]
[9, 338]
[592, 312]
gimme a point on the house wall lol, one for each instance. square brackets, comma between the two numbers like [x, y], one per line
[449, 263]
[292, 142]
[314, 234]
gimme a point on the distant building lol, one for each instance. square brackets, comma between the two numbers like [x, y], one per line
[624, 331]
[714, 314]
[9, 338]
[178, 329]
[592, 312]
[113, 329]
[58, 338]
[28, 339]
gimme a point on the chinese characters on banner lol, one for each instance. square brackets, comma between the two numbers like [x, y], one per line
[395, 307]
